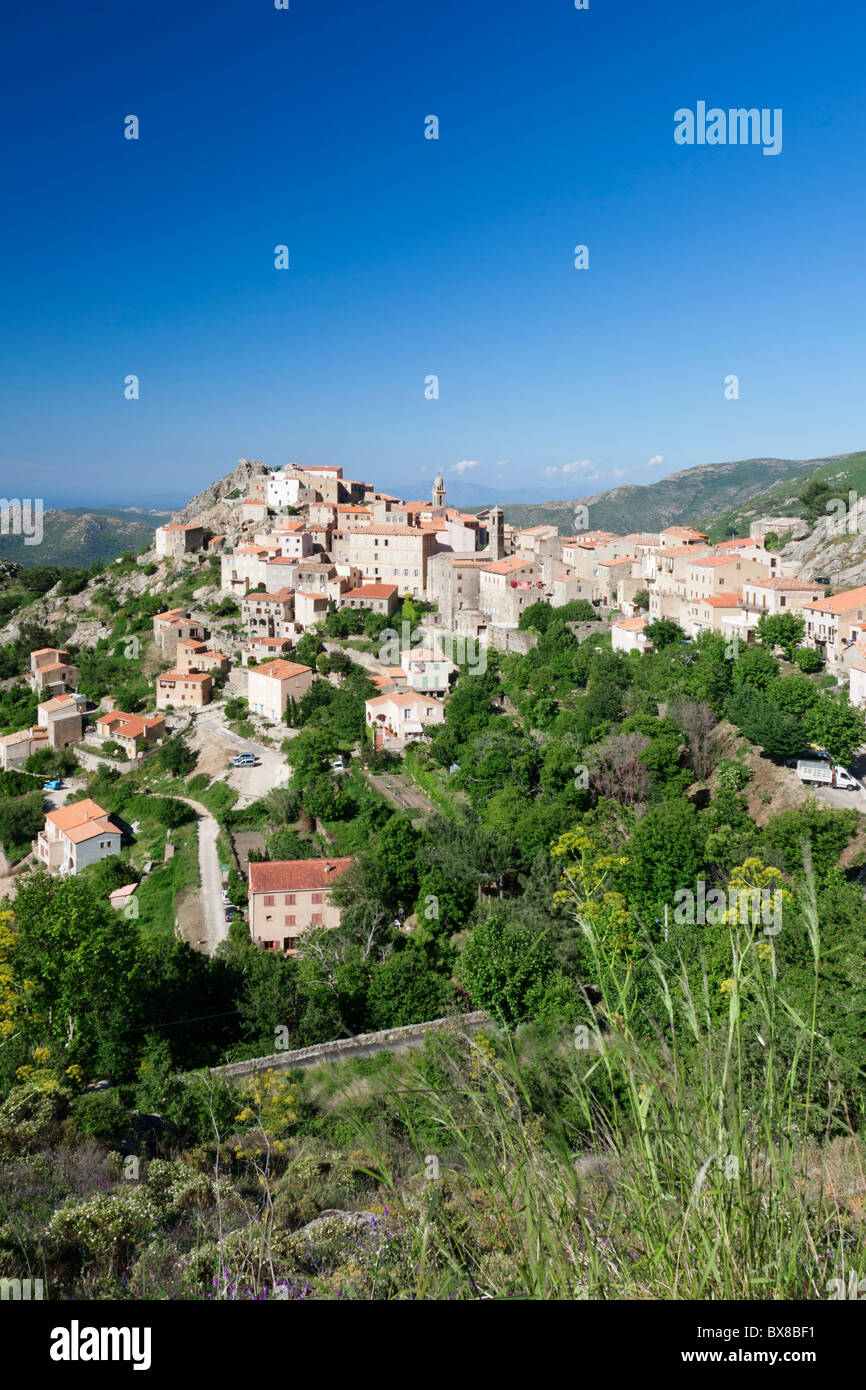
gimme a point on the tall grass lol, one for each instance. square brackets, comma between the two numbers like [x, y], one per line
[632, 1165]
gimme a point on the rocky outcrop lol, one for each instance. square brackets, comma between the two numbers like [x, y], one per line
[824, 552]
[211, 508]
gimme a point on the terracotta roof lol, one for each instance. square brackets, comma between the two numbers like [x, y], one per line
[630, 624]
[23, 736]
[90, 830]
[43, 651]
[742, 541]
[293, 875]
[721, 600]
[508, 566]
[371, 591]
[78, 813]
[130, 725]
[189, 526]
[405, 698]
[711, 561]
[125, 892]
[623, 560]
[59, 702]
[277, 595]
[683, 531]
[282, 670]
[840, 603]
[304, 593]
[170, 613]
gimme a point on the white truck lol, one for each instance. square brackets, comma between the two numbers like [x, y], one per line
[827, 773]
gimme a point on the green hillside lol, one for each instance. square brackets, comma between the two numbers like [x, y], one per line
[847, 472]
[80, 535]
[710, 490]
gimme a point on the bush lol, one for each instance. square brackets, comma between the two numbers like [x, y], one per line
[808, 660]
[101, 1115]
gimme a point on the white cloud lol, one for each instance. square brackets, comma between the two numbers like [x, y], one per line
[567, 469]
[500, 463]
[465, 464]
[656, 458]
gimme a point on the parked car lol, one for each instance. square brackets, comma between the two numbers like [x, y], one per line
[827, 775]
[230, 914]
[224, 895]
[338, 765]
[53, 786]
[244, 760]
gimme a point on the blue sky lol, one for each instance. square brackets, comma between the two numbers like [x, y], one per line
[412, 257]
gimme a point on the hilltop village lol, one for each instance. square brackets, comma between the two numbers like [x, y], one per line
[411, 592]
[323, 773]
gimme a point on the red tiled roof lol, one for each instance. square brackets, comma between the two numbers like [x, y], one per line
[840, 603]
[293, 875]
[282, 670]
[372, 591]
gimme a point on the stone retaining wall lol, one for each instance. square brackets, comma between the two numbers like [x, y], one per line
[364, 1045]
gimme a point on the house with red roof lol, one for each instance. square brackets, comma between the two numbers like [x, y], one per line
[290, 896]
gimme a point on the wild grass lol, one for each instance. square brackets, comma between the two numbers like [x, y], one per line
[675, 1168]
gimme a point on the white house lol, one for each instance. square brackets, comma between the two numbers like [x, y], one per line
[75, 836]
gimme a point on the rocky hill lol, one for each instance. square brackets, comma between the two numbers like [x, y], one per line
[216, 507]
[829, 548]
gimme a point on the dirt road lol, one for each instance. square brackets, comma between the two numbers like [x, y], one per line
[210, 878]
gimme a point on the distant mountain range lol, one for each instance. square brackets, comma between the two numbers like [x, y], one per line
[692, 496]
[721, 498]
[79, 535]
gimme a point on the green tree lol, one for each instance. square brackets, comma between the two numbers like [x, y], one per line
[502, 967]
[837, 725]
[664, 633]
[783, 630]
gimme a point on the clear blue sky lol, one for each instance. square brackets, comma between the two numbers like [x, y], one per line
[411, 256]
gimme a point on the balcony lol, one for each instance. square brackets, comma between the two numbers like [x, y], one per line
[50, 852]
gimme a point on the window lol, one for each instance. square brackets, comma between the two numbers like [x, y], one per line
[290, 900]
[317, 919]
[289, 943]
[269, 900]
[317, 898]
[290, 921]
